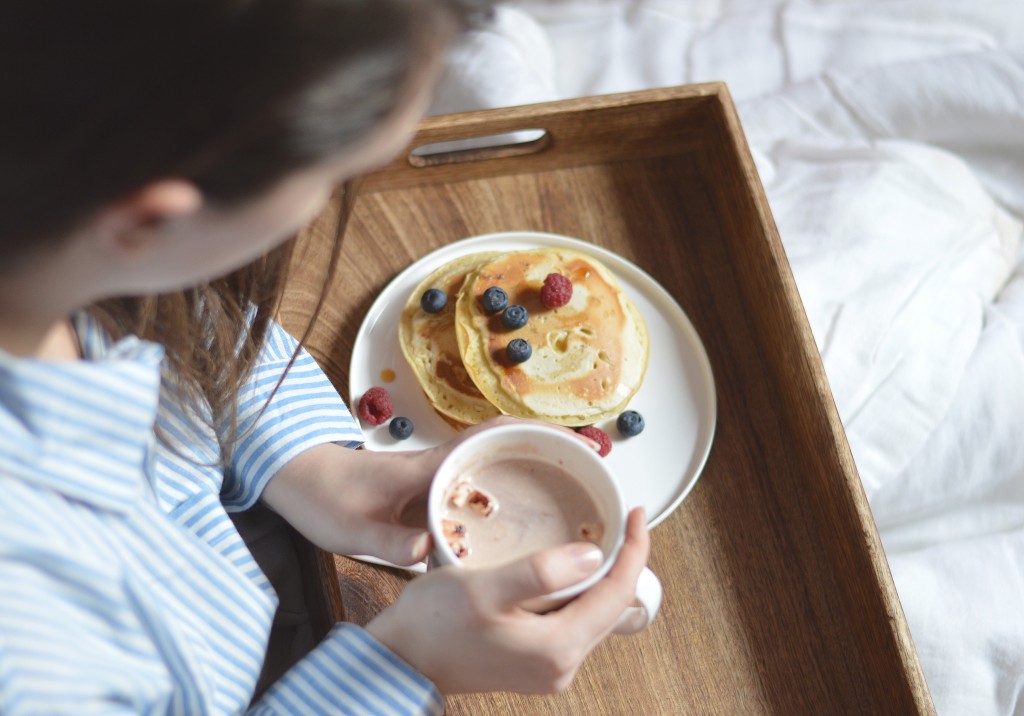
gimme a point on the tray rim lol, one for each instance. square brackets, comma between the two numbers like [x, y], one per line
[717, 101]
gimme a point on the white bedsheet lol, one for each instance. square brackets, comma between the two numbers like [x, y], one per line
[889, 135]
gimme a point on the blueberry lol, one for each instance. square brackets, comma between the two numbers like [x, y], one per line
[518, 350]
[630, 423]
[494, 299]
[400, 428]
[515, 316]
[433, 300]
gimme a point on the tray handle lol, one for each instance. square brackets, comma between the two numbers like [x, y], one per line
[480, 148]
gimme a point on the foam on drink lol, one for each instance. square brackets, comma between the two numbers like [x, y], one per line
[514, 507]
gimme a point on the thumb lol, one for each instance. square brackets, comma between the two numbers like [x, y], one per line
[396, 543]
[538, 574]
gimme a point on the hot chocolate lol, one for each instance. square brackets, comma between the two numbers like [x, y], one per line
[516, 506]
[509, 491]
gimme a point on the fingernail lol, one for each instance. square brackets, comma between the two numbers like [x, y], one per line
[587, 557]
[421, 546]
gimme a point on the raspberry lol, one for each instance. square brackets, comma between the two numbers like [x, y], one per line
[515, 316]
[630, 423]
[557, 291]
[400, 428]
[433, 300]
[599, 436]
[375, 406]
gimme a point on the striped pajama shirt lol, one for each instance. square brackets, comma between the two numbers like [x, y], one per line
[124, 586]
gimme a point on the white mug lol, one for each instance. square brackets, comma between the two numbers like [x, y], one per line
[555, 447]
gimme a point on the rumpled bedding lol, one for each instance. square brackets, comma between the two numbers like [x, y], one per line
[889, 135]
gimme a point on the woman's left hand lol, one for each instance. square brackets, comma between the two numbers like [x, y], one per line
[365, 502]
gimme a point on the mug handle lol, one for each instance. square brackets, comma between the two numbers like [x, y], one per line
[648, 600]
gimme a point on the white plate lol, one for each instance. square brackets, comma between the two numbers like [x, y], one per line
[656, 468]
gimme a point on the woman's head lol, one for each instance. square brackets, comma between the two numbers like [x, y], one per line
[182, 120]
[103, 98]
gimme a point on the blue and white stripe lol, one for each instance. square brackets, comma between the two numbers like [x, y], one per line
[124, 586]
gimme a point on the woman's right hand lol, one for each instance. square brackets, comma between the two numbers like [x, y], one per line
[463, 629]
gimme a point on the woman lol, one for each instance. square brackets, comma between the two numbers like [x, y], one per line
[151, 150]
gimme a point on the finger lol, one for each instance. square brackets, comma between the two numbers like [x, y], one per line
[597, 610]
[414, 513]
[419, 547]
[500, 420]
[592, 444]
[538, 574]
[396, 544]
[409, 480]
[433, 457]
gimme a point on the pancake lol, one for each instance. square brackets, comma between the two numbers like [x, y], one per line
[454, 424]
[589, 356]
[430, 347]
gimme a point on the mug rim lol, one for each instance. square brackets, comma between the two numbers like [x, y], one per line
[443, 553]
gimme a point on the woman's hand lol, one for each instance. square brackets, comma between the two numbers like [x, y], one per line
[356, 501]
[365, 502]
[463, 628]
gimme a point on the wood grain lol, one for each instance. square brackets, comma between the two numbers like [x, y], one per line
[778, 598]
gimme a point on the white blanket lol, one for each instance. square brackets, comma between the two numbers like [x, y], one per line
[889, 135]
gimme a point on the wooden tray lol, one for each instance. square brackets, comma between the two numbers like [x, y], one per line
[778, 598]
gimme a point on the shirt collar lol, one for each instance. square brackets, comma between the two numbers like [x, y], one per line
[82, 428]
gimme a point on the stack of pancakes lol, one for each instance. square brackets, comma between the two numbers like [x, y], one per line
[589, 356]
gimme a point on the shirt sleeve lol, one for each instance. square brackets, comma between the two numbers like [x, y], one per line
[350, 672]
[304, 411]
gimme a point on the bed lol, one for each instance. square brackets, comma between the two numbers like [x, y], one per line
[889, 135]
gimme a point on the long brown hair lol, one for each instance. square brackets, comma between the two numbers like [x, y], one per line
[212, 333]
[102, 97]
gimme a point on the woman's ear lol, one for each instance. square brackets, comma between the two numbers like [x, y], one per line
[131, 225]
